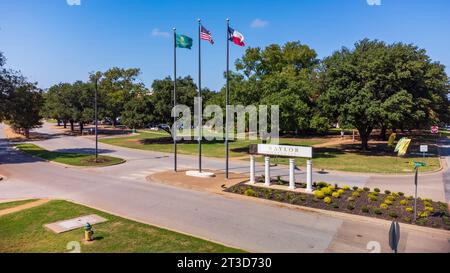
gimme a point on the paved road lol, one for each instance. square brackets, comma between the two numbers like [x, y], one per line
[143, 163]
[247, 224]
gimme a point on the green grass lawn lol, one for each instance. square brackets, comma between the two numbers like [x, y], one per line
[338, 158]
[8, 205]
[73, 159]
[24, 231]
[210, 149]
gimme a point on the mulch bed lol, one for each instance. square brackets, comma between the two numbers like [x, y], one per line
[346, 203]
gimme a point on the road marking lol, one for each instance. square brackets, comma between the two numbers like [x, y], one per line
[138, 175]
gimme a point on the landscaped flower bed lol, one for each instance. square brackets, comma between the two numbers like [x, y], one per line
[361, 201]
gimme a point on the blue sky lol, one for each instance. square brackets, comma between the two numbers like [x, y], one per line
[51, 41]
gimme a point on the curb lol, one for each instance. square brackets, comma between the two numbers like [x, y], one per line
[339, 215]
[66, 165]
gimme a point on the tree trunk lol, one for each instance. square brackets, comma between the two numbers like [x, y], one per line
[27, 133]
[72, 127]
[365, 135]
[59, 122]
[65, 124]
[81, 127]
[383, 133]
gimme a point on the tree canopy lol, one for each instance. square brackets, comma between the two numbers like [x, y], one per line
[376, 85]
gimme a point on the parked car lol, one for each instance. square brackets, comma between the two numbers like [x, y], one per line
[152, 127]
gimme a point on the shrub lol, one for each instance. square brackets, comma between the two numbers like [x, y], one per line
[341, 192]
[319, 194]
[346, 188]
[326, 191]
[377, 211]
[375, 193]
[410, 198]
[384, 206]
[327, 200]
[409, 210]
[423, 214]
[404, 202]
[391, 198]
[366, 189]
[377, 190]
[393, 214]
[401, 194]
[427, 204]
[332, 188]
[355, 188]
[336, 195]
[387, 192]
[373, 198]
[360, 190]
[250, 192]
[335, 205]
[388, 202]
[394, 194]
[350, 206]
[407, 219]
[429, 209]
[421, 222]
[365, 209]
[351, 199]
[322, 185]
[356, 194]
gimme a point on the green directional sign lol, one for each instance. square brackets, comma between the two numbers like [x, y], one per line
[418, 164]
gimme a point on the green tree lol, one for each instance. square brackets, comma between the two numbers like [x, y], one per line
[26, 102]
[162, 97]
[79, 99]
[279, 75]
[116, 87]
[56, 106]
[138, 112]
[379, 86]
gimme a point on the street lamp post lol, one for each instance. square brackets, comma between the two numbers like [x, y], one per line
[96, 120]
[417, 165]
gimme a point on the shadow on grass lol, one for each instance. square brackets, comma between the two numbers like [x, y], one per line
[83, 151]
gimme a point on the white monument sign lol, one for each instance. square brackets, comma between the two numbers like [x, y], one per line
[289, 151]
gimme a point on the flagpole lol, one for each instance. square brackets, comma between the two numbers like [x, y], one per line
[227, 102]
[200, 110]
[174, 127]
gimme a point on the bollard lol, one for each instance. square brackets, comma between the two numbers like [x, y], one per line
[267, 171]
[252, 169]
[292, 174]
[309, 176]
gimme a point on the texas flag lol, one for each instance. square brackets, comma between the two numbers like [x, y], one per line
[235, 37]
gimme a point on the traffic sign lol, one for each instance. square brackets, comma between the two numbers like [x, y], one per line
[424, 148]
[435, 129]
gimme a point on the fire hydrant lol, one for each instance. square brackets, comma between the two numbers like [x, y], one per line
[88, 233]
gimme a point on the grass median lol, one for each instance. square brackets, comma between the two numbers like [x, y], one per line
[348, 157]
[162, 142]
[24, 232]
[73, 159]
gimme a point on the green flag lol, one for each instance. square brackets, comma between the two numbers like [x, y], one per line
[184, 41]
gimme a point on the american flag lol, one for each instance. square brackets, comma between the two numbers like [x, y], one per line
[206, 35]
